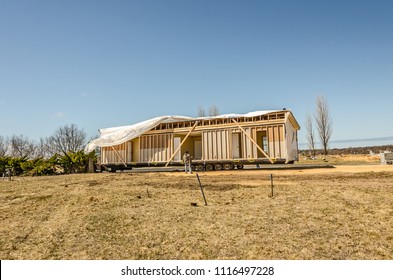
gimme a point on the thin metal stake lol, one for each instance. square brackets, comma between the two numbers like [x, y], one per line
[200, 185]
[272, 185]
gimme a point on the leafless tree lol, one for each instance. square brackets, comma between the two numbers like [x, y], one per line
[44, 149]
[21, 147]
[67, 138]
[3, 146]
[201, 112]
[310, 136]
[324, 123]
[213, 111]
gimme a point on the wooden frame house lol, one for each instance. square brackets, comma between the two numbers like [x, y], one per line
[221, 142]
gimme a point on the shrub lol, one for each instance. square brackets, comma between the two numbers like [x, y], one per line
[72, 162]
[40, 167]
[76, 162]
[15, 164]
[4, 164]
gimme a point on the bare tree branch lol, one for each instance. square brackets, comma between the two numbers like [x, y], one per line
[44, 149]
[213, 111]
[201, 112]
[67, 139]
[310, 136]
[324, 123]
[21, 147]
[4, 145]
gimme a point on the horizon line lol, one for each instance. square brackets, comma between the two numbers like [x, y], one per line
[356, 140]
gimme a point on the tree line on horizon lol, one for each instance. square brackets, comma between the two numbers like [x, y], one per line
[60, 153]
[372, 150]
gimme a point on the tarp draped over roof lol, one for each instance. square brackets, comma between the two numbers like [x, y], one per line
[118, 135]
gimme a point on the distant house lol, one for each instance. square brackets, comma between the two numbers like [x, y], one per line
[387, 157]
[220, 142]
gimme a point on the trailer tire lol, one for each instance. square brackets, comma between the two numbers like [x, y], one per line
[240, 166]
[218, 167]
[200, 167]
[209, 167]
[228, 166]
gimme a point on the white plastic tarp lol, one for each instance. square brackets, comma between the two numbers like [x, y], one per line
[118, 135]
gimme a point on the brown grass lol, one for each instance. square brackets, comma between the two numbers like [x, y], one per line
[357, 159]
[341, 213]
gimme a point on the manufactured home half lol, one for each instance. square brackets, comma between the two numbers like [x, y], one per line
[220, 142]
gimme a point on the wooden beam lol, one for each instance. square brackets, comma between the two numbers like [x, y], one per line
[182, 142]
[252, 140]
[118, 154]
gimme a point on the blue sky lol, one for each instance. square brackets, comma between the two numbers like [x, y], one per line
[109, 63]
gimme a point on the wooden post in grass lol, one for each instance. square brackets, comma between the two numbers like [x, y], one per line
[200, 185]
[8, 172]
[272, 185]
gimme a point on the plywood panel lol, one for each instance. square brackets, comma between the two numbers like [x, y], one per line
[277, 141]
[156, 148]
[291, 143]
[218, 145]
[224, 144]
[243, 146]
[136, 150]
[176, 144]
[282, 141]
[215, 145]
[205, 152]
[270, 135]
[209, 145]
[248, 146]
[254, 148]
[228, 144]
[236, 145]
[118, 154]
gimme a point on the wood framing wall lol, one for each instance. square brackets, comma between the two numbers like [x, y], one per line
[276, 140]
[276, 136]
[216, 144]
[292, 153]
[118, 154]
[136, 151]
[156, 147]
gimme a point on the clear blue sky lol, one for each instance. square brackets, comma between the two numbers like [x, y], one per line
[109, 63]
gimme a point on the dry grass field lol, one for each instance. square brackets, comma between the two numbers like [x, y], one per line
[337, 213]
[356, 159]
